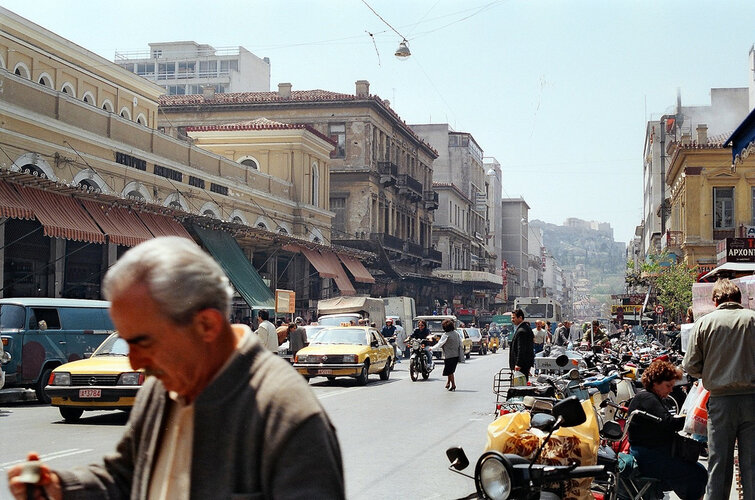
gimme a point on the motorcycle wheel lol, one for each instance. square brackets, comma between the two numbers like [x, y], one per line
[494, 349]
[425, 372]
[413, 371]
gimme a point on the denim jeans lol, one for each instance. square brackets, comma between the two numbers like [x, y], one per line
[731, 419]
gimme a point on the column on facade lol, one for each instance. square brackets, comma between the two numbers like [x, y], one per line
[57, 254]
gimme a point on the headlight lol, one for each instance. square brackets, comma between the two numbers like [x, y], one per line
[60, 378]
[350, 358]
[493, 476]
[131, 378]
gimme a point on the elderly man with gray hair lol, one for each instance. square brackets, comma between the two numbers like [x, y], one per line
[219, 416]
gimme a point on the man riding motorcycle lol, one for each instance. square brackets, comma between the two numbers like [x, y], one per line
[595, 336]
[421, 333]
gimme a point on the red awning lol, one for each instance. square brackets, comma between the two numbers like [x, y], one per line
[11, 204]
[323, 267]
[361, 274]
[343, 281]
[61, 216]
[161, 225]
[121, 226]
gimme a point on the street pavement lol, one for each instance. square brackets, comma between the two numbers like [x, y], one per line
[393, 434]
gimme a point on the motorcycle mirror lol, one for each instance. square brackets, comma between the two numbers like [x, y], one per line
[457, 457]
[569, 411]
[562, 360]
[543, 421]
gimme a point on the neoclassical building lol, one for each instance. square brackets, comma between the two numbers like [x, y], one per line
[381, 173]
[85, 174]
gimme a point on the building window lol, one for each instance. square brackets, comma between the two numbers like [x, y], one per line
[131, 161]
[166, 71]
[145, 69]
[229, 65]
[337, 132]
[315, 185]
[250, 162]
[44, 80]
[176, 89]
[88, 98]
[186, 69]
[196, 182]
[723, 207]
[216, 188]
[67, 89]
[208, 69]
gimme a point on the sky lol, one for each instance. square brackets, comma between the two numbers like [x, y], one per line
[559, 92]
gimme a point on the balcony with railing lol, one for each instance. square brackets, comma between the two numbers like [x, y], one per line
[388, 241]
[672, 239]
[432, 255]
[388, 173]
[431, 200]
[409, 186]
[413, 248]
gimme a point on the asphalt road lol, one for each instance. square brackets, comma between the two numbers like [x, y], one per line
[393, 434]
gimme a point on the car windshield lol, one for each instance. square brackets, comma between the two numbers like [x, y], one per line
[337, 320]
[474, 333]
[434, 325]
[312, 332]
[341, 336]
[112, 346]
[11, 317]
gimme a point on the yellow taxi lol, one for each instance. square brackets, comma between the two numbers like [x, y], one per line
[104, 381]
[346, 351]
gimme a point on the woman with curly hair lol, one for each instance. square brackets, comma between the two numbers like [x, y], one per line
[650, 442]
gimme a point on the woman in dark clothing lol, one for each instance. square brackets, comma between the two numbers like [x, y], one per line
[650, 442]
[450, 342]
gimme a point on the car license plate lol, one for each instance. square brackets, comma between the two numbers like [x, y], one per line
[325, 371]
[90, 393]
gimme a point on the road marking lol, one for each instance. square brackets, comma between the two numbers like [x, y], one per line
[338, 393]
[49, 456]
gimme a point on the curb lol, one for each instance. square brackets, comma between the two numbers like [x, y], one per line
[16, 395]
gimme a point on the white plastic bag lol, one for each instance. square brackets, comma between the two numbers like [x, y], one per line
[461, 347]
[697, 415]
[518, 378]
[691, 400]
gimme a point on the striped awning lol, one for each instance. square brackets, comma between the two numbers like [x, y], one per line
[342, 280]
[11, 204]
[162, 225]
[361, 274]
[61, 216]
[121, 226]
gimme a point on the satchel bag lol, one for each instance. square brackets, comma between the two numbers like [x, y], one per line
[685, 448]
[461, 347]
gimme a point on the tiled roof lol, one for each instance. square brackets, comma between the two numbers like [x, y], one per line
[260, 124]
[300, 96]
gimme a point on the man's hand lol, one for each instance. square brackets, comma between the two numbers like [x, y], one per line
[47, 480]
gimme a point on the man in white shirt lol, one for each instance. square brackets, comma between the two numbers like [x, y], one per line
[266, 331]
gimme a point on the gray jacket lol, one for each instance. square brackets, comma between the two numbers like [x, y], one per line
[721, 350]
[259, 433]
[450, 342]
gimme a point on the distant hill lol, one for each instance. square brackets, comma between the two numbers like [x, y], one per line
[588, 253]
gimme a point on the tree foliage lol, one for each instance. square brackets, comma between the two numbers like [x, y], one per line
[671, 283]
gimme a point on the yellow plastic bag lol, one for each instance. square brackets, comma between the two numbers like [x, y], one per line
[511, 434]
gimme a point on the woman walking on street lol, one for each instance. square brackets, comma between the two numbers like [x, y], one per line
[450, 342]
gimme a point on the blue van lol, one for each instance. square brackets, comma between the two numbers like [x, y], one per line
[43, 333]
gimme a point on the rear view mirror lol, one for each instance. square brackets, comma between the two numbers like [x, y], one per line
[611, 430]
[457, 457]
[570, 412]
[542, 421]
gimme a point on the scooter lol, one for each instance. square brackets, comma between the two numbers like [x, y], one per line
[418, 364]
[499, 476]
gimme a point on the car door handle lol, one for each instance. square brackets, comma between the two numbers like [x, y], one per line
[62, 342]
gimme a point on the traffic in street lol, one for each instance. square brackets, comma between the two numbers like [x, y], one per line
[393, 434]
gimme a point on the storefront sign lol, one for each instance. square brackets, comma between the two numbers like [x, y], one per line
[736, 250]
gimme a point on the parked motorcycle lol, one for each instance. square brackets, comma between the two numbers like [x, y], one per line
[418, 364]
[499, 476]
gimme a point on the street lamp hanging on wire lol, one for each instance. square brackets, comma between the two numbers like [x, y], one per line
[402, 52]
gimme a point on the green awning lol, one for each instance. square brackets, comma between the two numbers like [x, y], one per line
[237, 267]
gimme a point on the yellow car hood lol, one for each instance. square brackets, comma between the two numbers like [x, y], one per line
[334, 349]
[98, 364]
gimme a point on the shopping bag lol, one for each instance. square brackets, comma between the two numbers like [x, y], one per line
[461, 347]
[696, 421]
[692, 395]
[518, 378]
